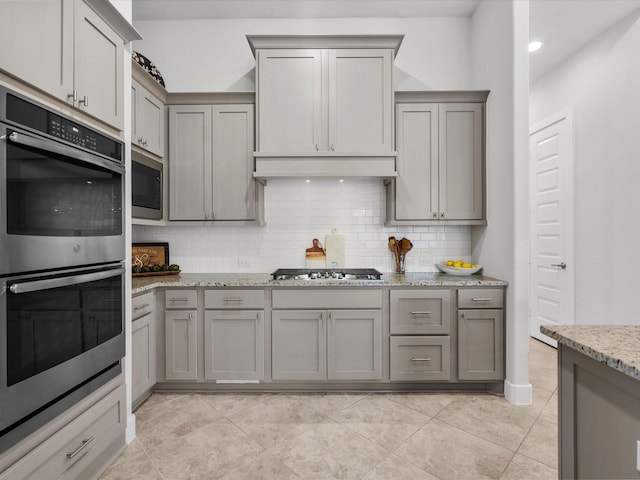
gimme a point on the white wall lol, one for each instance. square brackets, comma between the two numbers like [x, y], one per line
[499, 36]
[601, 83]
[214, 55]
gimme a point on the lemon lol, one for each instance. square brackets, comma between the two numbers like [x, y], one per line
[449, 263]
[467, 265]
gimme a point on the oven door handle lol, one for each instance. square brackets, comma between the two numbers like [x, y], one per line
[38, 285]
[54, 147]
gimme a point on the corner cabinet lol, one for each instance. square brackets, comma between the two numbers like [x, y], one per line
[211, 164]
[75, 55]
[441, 159]
[324, 104]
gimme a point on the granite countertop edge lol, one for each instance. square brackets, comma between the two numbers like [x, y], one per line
[617, 346]
[427, 279]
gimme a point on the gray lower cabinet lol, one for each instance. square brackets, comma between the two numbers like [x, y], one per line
[143, 348]
[420, 358]
[420, 312]
[480, 345]
[180, 329]
[598, 419]
[234, 334]
[327, 345]
[234, 345]
[326, 334]
[299, 345]
[86, 439]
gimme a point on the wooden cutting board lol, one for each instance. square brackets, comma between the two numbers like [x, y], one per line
[315, 255]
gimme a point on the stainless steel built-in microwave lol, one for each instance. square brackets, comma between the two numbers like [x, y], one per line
[146, 189]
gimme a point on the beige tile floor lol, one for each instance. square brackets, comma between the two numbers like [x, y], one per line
[348, 436]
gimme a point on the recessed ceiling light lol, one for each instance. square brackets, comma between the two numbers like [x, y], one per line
[535, 46]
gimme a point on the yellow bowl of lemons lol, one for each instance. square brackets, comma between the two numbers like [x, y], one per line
[458, 267]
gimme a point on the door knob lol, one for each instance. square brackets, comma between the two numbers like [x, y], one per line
[562, 265]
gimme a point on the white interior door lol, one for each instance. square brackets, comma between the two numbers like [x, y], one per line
[552, 244]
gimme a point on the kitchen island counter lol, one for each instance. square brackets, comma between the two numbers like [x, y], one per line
[413, 279]
[617, 346]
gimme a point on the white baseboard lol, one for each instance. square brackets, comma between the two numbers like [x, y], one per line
[518, 394]
[130, 432]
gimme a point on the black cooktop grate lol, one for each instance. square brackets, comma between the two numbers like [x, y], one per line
[326, 273]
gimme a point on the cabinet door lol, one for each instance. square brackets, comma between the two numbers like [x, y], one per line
[233, 183]
[147, 120]
[181, 344]
[289, 95]
[234, 345]
[41, 55]
[143, 357]
[461, 161]
[189, 162]
[360, 100]
[480, 345]
[354, 345]
[299, 345]
[98, 67]
[420, 312]
[417, 162]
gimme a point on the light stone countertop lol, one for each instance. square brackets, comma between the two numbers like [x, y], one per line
[617, 346]
[412, 279]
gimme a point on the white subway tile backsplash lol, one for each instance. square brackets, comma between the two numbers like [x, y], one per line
[295, 213]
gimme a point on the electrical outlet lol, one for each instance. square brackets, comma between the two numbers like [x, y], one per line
[244, 263]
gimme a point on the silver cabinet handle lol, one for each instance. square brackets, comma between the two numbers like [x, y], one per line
[191, 317]
[562, 265]
[178, 299]
[332, 149]
[73, 96]
[421, 313]
[38, 285]
[442, 215]
[232, 300]
[482, 299]
[317, 148]
[140, 307]
[84, 101]
[415, 359]
[435, 215]
[85, 444]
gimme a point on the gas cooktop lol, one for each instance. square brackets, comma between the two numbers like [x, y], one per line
[326, 274]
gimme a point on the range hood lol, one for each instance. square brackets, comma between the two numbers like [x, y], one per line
[324, 165]
[324, 105]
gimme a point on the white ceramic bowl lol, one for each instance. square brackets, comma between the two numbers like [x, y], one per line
[458, 271]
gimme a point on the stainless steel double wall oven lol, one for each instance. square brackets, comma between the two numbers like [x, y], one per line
[61, 263]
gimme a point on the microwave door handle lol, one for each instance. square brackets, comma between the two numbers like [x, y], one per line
[37, 285]
[54, 147]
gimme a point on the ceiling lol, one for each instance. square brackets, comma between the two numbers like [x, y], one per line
[563, 25]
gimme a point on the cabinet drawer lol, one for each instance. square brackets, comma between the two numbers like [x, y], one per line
[420, 312]
[233, 299]
[480, 298]
[72, 449]
[420, 358]
[326, 299]
[142, 305]
[181, 299]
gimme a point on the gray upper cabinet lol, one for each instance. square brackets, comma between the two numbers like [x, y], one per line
[81, 62]
[211, 163]
[147, 120]
[324, 105]
[441, 162]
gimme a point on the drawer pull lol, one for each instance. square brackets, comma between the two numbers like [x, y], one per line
[85, 444]
[421, 313]
[415, 359]
[140, 307]
[232, 300]
[482, 299]
[178, 299]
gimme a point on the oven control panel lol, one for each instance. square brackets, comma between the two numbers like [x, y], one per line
[73, 133]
